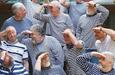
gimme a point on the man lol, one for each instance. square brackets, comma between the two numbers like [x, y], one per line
[95, 14]
[43, 66]
[105, 39]
[31, 6]
[72, 49]
[105, 67]
[39, 42]
[16, 50]
[18, 20]
[75, 10]
[57, 20]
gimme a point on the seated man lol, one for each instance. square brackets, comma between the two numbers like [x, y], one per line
[43, 66]
[105, 67]
[16, 50]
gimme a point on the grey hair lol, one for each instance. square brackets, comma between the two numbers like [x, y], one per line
[56, 3]
[37, 28]
[109, 56]
[16, 7]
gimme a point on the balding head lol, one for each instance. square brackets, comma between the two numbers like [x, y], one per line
[10, 34]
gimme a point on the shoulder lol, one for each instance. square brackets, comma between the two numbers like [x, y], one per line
[29, 21]
[9, 20]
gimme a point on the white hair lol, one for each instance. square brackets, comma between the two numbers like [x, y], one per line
[109, 56]
[56, 3]
[17, 6]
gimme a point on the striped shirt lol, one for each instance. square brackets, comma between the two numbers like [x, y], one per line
[71, 67]
[16, 69]
[91, 68]
[19, 53]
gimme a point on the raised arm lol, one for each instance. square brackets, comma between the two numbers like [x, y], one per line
[69, 36]
[39, 15]
[107, 31]
[104, 12]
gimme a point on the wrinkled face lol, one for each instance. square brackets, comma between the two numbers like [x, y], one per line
[21, 12]
[36, 37]
[99, 35]
[45, 60]
[11, 35]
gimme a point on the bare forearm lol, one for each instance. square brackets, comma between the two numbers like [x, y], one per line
[38, 65]
[109, 32]
[75, 41]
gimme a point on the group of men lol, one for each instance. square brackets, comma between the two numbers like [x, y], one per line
[27, 50]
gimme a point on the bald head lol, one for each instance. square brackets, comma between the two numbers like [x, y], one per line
[10, 34]
[10, 28]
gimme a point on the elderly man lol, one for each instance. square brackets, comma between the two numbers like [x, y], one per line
[31, 6]
[95, 14]
[19, 21]
[57, 20]
[105, 67]
[75, 10]
[16, 50]
[39, 42]
[43, 66]
[72, 49]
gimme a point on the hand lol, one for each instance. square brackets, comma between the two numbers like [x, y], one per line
[67, 31]
[91, 4]
[27, 32]
[97, 29]
[98, 55]
[3, 54]
[43, 55]
[46, 5]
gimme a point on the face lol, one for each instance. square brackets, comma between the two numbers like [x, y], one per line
[91, 10]
[54, 10]
[36, 37]
[45, 60]
[11, 35]
[99, 35]
[21, 12]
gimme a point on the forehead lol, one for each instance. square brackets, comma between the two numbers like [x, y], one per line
[10, 29]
